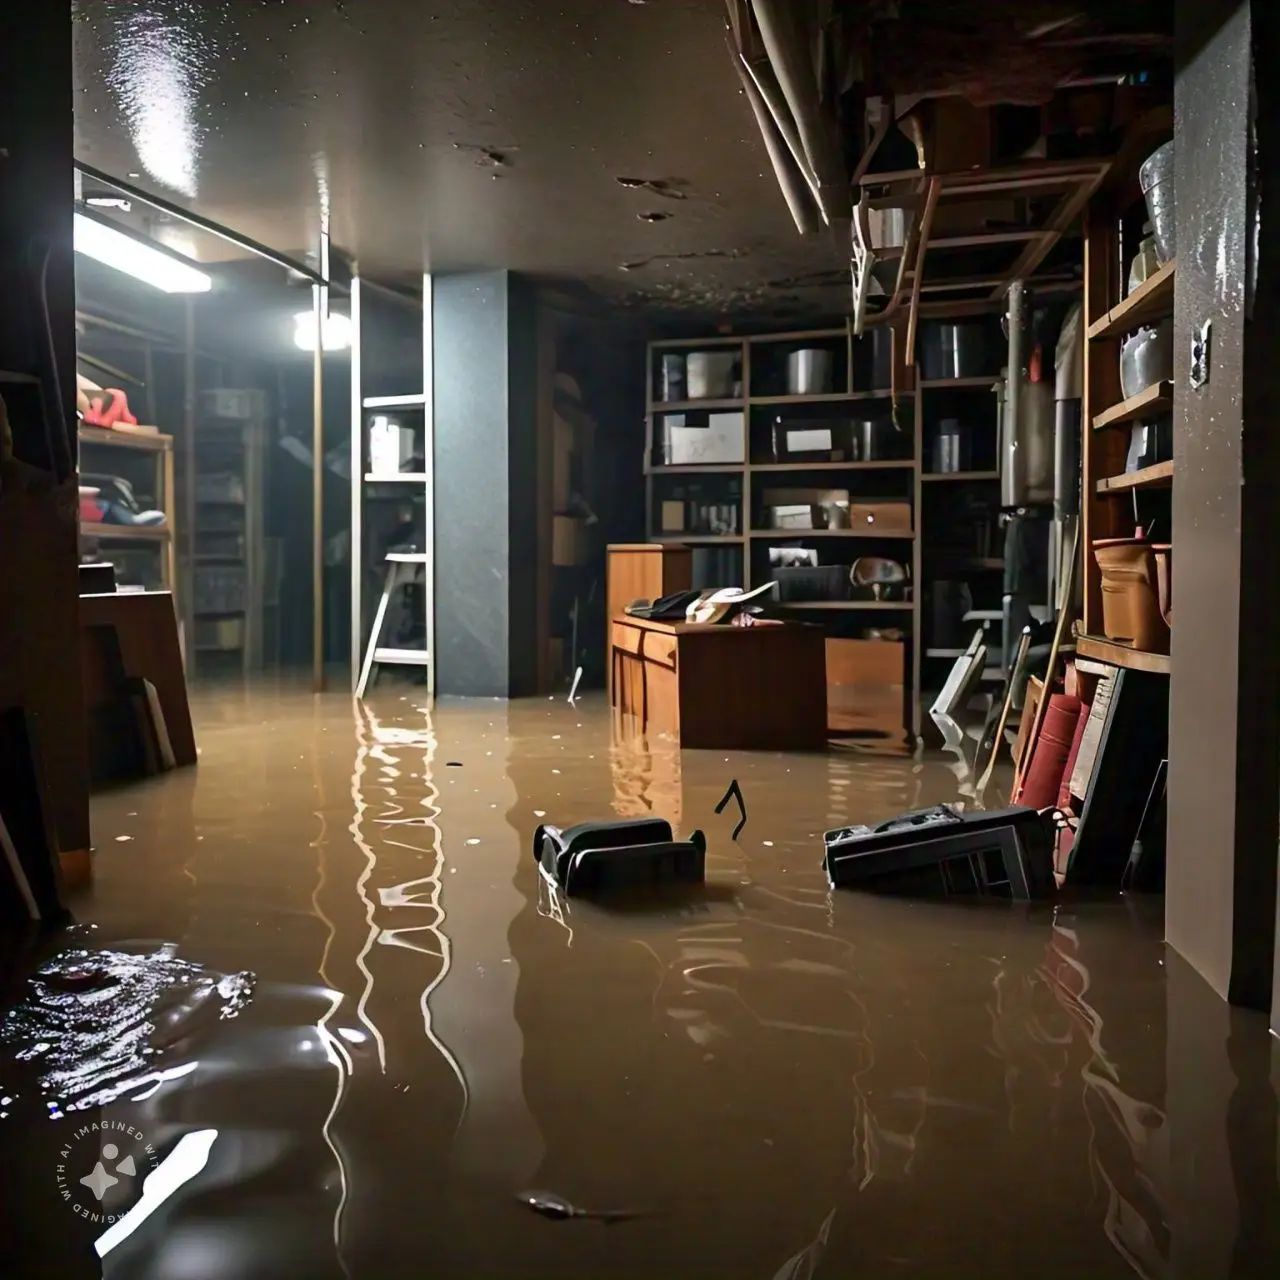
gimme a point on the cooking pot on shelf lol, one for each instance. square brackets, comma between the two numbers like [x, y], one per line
[809, 372]
[879, 578]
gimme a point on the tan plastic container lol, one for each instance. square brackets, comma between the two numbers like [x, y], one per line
[1130, 594]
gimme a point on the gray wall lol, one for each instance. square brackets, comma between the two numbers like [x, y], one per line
[1224, 784]
[485, 373]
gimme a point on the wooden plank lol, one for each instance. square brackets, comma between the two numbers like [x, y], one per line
[1150, 403]
[126, 438]
[961, 476]
[1159, 475]
[687, 406]
[124, 532]
[1150, 301]
[1119, 655]
[887, 465]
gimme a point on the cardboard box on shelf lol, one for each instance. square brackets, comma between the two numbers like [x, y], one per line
[722, 440]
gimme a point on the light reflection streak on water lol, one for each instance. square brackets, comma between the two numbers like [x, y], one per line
[411, 892]
[356, 828]
[334, 1050]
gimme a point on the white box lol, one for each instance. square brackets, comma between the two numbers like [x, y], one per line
[723, 439]
[812, 441]
[792, 517]
[390, 446]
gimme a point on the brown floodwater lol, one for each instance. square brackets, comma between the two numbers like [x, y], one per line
[348, 1026]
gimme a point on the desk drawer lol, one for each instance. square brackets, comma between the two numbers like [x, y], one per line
[628, 639]
[660, 648]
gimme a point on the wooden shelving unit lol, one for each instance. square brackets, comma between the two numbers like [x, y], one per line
[1109, 491]
[1150, 302]
[1158, 475]
[94, 441]
[1119, 655]
[1154, 400]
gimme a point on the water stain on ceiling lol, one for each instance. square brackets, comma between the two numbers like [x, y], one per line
[454, 136]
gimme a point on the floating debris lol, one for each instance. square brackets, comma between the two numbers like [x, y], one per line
[668, 190]
[656, 216]
[549, 1205]
[734, 793]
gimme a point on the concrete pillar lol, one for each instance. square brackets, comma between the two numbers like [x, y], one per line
[486, 363]
[1224, 784]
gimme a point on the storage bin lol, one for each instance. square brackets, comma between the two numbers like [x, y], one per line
[890, 517]
[798, 584]
[1130, 594]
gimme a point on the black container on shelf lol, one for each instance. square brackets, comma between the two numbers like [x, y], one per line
[799, 584]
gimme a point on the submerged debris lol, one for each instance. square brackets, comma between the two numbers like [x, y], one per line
[549, 1205]
[734, 793]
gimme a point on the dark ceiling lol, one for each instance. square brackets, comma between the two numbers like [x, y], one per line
[454, 135]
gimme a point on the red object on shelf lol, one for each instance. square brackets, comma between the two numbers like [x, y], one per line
[1066, 837]
[1049, 753]
[108, 408]
[90, 510]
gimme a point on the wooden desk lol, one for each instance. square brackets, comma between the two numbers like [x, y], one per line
[760, 688]
[643, 571]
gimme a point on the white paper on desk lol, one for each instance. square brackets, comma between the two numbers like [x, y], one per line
[815, 441]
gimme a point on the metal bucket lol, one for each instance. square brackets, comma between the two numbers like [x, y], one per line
[1156, 179]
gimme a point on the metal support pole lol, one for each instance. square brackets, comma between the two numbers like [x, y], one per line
[429, 466]
[357, 489]
[318, 301]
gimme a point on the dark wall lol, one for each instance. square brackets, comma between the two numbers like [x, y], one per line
[39, 618]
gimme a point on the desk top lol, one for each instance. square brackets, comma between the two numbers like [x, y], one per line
[697, 628]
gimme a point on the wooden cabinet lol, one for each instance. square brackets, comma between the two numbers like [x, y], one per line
[643, 571]
[761, 688]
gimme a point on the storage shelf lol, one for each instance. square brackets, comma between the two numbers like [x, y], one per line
[1151, 300]
[881, 606]
[1160, 475]
[1119, 655]
[698, 539]
[827, 397]
[961, 476]
[687, 406]
[897, 464]
[125, 532]
[699, 469]
[1150, 403]
[941, 384]
[883, 535]
[126, 438]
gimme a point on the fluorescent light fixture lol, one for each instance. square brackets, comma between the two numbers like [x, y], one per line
[137, 258]
[335, 331]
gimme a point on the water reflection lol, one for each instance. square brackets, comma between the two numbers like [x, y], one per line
[798, 1082]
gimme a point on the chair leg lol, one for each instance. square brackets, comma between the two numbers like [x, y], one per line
[376, 634]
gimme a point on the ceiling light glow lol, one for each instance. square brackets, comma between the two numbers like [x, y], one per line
[136, 258]
[335, 331]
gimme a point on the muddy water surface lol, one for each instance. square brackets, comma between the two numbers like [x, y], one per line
[763, 1078]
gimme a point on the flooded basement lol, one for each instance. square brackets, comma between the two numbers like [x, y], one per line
[353, 1033]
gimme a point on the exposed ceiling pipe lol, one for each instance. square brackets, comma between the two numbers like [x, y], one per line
[795, 188]
[771, 93]
[787, 44]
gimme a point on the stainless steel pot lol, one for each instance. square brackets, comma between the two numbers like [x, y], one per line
[809, 372]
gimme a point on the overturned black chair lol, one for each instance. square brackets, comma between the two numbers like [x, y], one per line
[1006, 853]
[602, 856]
